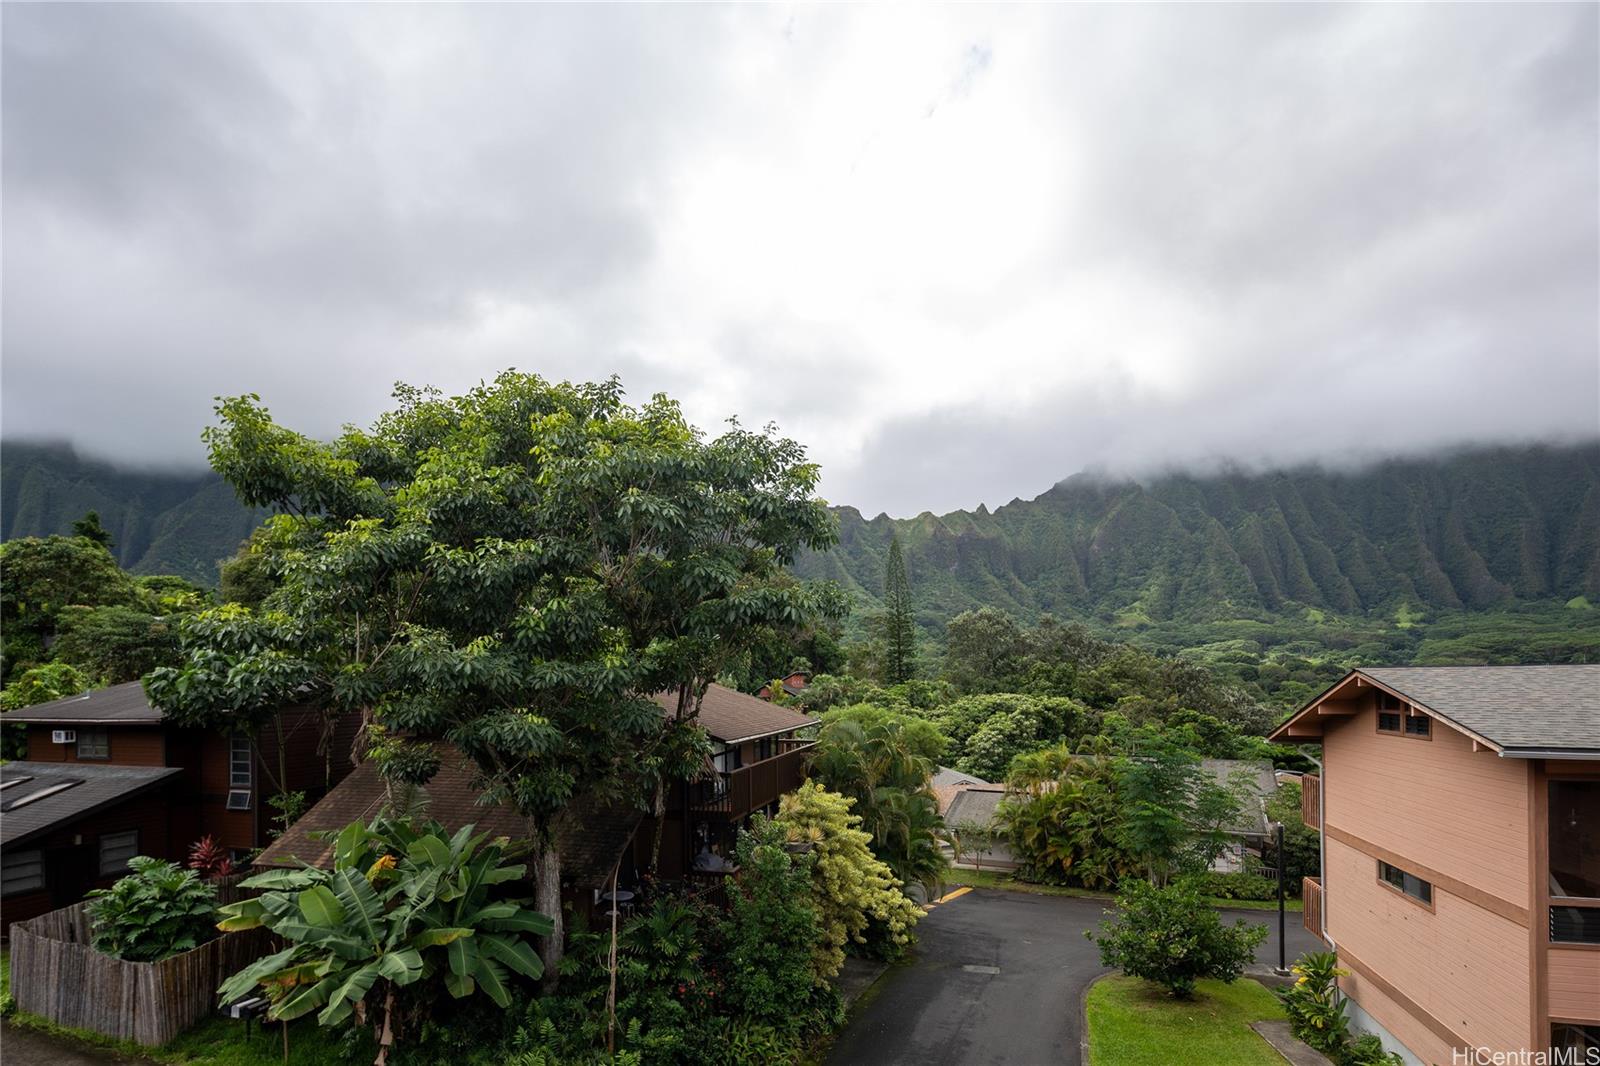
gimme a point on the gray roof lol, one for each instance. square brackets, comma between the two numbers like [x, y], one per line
[1528, 708]
[124, 704]
[88, 789]
[1257, 776]
[974, 806]
[944, 777]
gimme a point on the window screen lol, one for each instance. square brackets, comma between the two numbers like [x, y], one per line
[94, 744]
[1388, 722]
[22, 871]
[239, 763]
[115, 851]
[1418, 725]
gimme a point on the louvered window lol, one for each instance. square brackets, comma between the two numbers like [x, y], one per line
[115, 851]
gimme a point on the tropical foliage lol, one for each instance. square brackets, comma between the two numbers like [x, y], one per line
[1171, 937]
[516, 570]
[852, 890]
[403, 911]
[1066, 828]
[158, 910]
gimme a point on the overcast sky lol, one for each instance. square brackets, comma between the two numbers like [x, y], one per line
[960, 252]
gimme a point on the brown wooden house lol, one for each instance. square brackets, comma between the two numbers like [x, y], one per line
[107, 777]
[759, 753]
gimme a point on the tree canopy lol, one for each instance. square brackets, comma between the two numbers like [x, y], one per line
[515, 571]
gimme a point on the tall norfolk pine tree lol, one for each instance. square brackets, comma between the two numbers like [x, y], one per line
[899, 624]
[514, 571]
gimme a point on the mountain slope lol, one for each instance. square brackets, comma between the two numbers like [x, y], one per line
[1469, 531]
[160, 523]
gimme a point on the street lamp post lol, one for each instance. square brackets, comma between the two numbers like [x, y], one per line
[1283, 947]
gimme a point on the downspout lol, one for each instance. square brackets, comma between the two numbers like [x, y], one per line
[1322, 847]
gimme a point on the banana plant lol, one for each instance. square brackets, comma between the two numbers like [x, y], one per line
[401, 905]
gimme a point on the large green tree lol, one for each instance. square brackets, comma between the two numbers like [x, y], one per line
[899, 620]
[515, 571]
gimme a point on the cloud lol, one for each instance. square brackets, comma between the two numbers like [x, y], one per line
[962, 253]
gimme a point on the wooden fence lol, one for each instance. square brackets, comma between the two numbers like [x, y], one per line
[1311, 900]
[56, 975]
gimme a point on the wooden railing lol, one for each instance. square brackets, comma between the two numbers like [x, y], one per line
[738, 792]
[1311, 801]
[1311, 900]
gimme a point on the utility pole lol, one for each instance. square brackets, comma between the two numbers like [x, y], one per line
[1283, 946]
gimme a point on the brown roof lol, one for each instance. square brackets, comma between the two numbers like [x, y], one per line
[729, 715]
[124, 704]
[589, 849]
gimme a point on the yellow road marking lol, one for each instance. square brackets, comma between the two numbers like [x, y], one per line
[954, 894]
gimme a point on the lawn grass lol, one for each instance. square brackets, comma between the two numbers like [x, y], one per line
[1135, 1023]
[1005, 882]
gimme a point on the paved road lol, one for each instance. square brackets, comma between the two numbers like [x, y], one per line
[998, 977]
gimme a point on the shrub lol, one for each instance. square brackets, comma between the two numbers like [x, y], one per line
[1170, 937]
[210, 859]
[1237, 885]
[772, 930]
[1317, 1013]
[850, 887]
[401, 907]
[157, 911]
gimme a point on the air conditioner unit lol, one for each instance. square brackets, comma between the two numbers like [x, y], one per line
[63, 736]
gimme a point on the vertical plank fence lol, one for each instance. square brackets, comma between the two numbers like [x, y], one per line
[57, 975]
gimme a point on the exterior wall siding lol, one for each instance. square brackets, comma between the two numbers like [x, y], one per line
[130, 746]
[1451, 809]
[1575, 984]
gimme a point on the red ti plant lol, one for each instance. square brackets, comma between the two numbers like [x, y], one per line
[210, 859]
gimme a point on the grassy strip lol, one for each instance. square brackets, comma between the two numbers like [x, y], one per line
[1005, 882]
[1135, 1023]
[216, 1041]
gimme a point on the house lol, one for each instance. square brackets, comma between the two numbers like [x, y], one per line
[1254, 782]
[792, 684]
[759, 752]
[971, 815]
[1459, 810]
[107, 776]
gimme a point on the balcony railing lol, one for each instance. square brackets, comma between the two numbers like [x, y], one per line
[1311, 801]
[738, 792]
[1311, 900]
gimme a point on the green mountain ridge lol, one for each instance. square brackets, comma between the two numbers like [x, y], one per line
[161, 522]
[1470, 531]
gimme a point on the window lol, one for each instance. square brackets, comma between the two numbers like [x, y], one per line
[1410, 884]
[22, 871]
[1578, 1038]
[115, 851]
[1388, 721]
[1575, 925]
[1574, 818]
[94, 744]
[1419, 725]
[239, 763]
[764, 748]
[238, 799]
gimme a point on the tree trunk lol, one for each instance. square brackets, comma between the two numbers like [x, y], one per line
[659, 809]
[547, 901]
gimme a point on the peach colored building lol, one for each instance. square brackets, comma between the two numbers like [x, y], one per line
[1459, 808]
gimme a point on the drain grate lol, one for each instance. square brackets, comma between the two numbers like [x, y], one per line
[981, 969]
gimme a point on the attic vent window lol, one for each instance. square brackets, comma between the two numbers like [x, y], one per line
[1418, 725]
[1388, 721]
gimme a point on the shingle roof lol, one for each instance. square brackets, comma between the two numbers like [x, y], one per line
[729, 715]
[124, 704]
[945, 776]
[1516, 707]
[974, 806]
[1258, 775]
[88, 789]
[589, 848]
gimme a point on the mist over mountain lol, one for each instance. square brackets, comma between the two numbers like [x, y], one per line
[161, 522]
[1471, 530]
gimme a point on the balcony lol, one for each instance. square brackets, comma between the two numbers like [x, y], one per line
[735, 793]
[1311, 899]
[1311, 801]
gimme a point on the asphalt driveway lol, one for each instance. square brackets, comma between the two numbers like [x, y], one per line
[998, 977]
